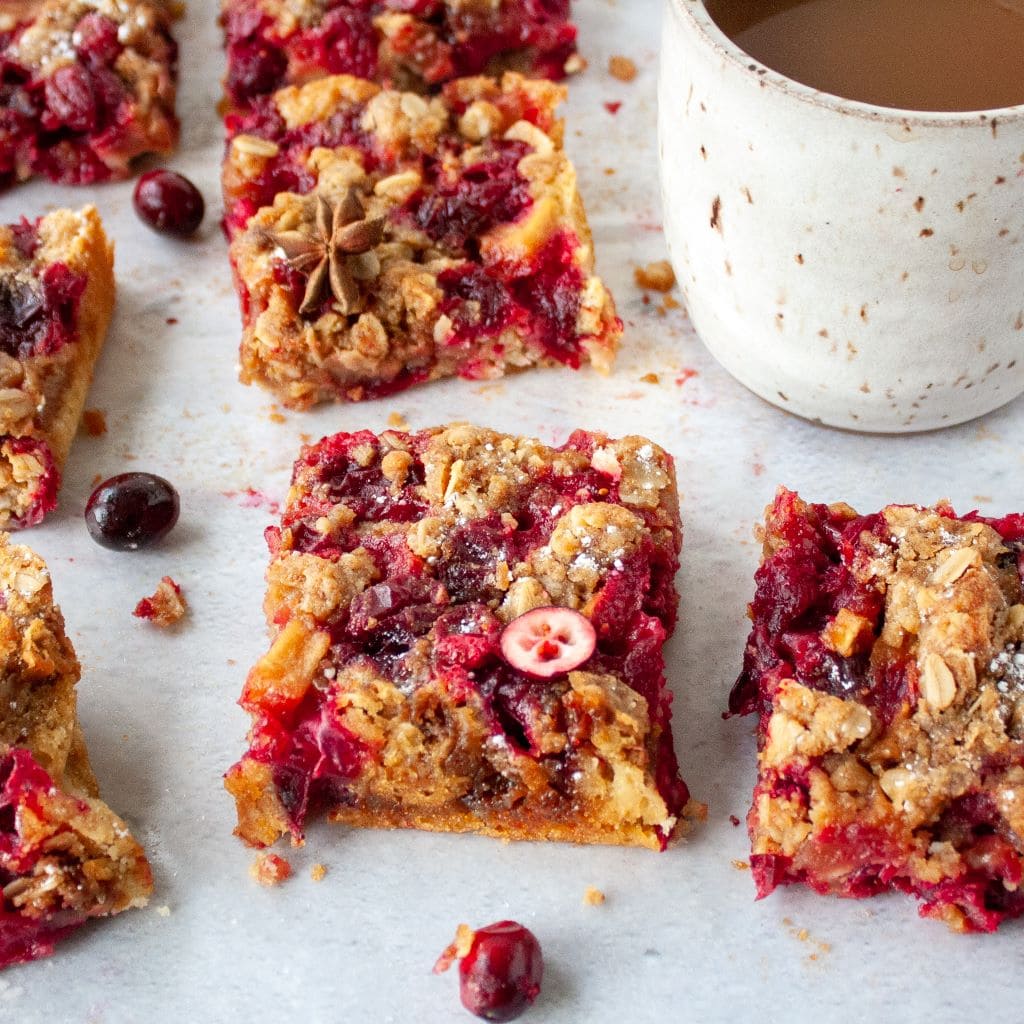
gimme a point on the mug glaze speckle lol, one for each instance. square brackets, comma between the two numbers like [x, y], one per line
[855, 265]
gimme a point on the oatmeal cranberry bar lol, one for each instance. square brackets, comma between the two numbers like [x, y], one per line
[85, 87]
[65, 856]
[56, 297]
[467, 636]
[886, 663]
[418, 45]
[380, 239]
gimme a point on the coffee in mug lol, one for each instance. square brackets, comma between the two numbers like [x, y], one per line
[922, 55]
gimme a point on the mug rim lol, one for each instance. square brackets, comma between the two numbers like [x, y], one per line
[697, 13]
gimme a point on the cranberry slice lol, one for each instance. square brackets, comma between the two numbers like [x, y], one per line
[169, 203]
[501, 968]
[547, 642]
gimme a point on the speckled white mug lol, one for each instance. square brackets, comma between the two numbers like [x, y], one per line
[855, 265]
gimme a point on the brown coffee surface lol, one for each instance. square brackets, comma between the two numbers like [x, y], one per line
[928, 55]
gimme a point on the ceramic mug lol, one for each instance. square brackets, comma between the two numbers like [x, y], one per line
[855, 265]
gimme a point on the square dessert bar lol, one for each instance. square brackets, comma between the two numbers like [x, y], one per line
[416, 46]
[56, 298]
[85, 87]
[65, 856]
[467, 636]
[886, 664]
[380, 239]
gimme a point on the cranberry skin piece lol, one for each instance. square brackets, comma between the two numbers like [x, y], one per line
[131, 511]
[500, 976]
[169, 203]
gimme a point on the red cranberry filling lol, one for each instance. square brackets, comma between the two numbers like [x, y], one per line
[543, 300]
[441, 46]
[427, 619]
[22, 938]
[64, 125]
[38, 320]
[800, 589]
[43, 499]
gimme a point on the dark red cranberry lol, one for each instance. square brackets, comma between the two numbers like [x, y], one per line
[500, 976]
[169, 203]
[131, 511]
[255, 68]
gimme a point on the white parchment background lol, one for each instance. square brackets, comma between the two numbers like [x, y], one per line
[680, 937]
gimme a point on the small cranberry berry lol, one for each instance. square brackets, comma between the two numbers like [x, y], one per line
[500, 969]
[131, 511]
[169, 203]
[548, 641]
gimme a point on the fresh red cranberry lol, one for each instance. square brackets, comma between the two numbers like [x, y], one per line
[169, 203]
[131, 511]
[500, 969]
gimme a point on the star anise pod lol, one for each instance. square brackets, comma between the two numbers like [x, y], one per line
[341, 231]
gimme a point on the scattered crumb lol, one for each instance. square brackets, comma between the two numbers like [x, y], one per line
[97, 480]
[275, 416]
[622, 68]
[670, 302]
[305, 438]
[464, 936]
[685, 375]
[95, 422]
[734, 820]
[171, 321]
[985, 499]
[613, 108]
[232, 661]
[575, 64]
[593, 897]
[609, 172]
[270, 869]
[741, 865]
[398, 421]
[318, 872]
[803, 935]
[650, 378]
[164, 911]
[166, 607]
[659, 276]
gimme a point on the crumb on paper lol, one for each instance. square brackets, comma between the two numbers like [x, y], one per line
[575, 64]
[164, 911]
[609, 172]
[318, 872]
[397, 421]
[622, 68]
[95, 422]
[270, 869]
[462, 944]
[166, 606]
[658, 276]
[275, 416]
[741, 865]
[650, 378]
[670, 302]
[734, 820]
[803, 935]
[613, 107]
[593, 897]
